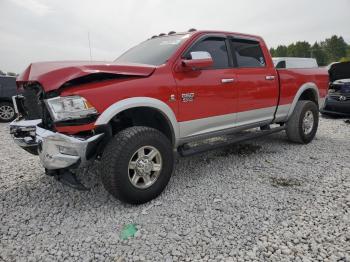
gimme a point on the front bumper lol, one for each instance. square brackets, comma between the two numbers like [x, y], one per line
[335, 107]
[55, 150]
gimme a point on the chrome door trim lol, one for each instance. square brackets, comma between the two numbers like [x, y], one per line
[270, 78]
[227, 80]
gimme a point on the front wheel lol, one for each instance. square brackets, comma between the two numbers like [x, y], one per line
[302, 125]
[137, 164]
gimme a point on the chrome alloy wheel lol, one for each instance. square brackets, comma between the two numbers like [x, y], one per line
[144, 167]
[308, 122]
[6, 112]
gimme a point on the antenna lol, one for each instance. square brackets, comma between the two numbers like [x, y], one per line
[90, 45]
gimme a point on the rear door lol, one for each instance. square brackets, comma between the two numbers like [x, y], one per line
[256, 82]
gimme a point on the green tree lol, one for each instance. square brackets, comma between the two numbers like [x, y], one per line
[291, 50]
[299, 49]
[332, 49]
[281, 51]
[344, 59]
[335, 47]
[348, 52]
[319, 54]
[303, 49]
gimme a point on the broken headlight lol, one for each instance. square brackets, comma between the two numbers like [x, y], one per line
[69, 107]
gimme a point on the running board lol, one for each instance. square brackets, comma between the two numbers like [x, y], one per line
[189, 150]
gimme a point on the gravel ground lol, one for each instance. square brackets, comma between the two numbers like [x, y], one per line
[266, 199]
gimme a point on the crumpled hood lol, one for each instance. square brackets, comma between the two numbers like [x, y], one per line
[52, 75]
[339, 71]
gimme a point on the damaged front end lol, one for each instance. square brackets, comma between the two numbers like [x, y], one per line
[55, 150]
[57, 125]
[34, 128]
[34, 131]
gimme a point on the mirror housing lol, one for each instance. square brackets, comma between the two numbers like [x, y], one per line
[199, 60]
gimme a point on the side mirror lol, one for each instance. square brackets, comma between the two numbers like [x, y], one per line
[199, 60]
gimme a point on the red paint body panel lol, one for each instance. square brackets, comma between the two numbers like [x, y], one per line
[52, 75]
[203, 63]
[292, 79]
[249, 91]
[71, 130]
[211, 97]
[254, 91]
[103, 94]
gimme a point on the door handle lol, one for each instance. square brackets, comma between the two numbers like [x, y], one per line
[227, 80]
[270, 77]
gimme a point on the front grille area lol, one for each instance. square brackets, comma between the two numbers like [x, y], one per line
[337, 97]
[33, 102]
[31, 105]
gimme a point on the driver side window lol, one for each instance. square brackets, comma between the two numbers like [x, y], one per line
[216, 47]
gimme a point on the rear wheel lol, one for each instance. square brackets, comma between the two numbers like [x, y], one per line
[302, 125]
[137, 164]
[7, 112]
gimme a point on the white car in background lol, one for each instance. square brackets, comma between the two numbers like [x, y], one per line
[294, 62]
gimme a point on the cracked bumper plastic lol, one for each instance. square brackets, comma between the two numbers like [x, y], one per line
[55, 150]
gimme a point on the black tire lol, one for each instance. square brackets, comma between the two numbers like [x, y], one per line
[7, 112]
[294, 128]
[115, 164]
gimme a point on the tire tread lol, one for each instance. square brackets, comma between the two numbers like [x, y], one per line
[293, 124]
[114, 152]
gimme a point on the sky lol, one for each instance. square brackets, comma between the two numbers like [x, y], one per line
[50, 30]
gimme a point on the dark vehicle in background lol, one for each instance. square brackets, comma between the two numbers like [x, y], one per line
[338, 98]
[7, 90]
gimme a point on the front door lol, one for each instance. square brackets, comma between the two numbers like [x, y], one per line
[208, 97]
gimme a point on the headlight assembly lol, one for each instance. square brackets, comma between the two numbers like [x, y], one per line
[69, 107]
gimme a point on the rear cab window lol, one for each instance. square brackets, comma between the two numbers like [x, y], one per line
[247, 53]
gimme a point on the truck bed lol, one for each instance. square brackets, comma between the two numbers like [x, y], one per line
[290, 81]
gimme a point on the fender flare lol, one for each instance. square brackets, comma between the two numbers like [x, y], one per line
[307, 86]
[134, 102]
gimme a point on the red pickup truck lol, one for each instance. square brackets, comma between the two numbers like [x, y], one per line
[168, 96]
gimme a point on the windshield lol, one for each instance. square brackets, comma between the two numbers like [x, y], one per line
[155, 51]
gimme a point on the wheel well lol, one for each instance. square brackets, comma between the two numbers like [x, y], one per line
[143, 116]
[310, 95]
